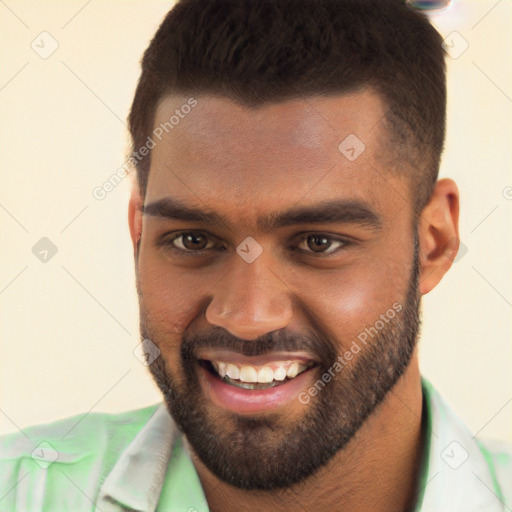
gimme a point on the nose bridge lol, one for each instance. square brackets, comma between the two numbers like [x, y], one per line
[250, 300]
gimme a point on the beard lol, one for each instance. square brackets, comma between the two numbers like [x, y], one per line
[273, 451]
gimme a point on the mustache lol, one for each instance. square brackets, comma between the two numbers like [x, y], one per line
[275, 341]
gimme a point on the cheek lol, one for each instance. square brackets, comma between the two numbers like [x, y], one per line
[348, 301]
[166, 300]
[171, 296]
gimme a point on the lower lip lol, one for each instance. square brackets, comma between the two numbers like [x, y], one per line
[246, 401]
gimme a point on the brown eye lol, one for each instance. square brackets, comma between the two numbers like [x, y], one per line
[318, 243]
[322, 244]
[191, 241]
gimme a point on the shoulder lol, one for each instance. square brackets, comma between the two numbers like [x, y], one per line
[74, 436]
[76, 452]
[467, 473]
[498, 455]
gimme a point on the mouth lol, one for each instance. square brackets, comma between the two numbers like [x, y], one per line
[248, 384]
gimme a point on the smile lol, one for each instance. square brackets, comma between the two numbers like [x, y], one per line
[254, 384]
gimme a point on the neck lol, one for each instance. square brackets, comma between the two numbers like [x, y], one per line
[377, 470]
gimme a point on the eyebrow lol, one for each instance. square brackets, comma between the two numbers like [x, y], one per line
[327, 212]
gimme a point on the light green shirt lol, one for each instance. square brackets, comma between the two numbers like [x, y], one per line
[138, 461]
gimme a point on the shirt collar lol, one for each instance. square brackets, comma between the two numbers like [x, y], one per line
[456, 475]
[141, 475]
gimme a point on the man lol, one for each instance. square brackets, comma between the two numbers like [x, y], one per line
[286, 221]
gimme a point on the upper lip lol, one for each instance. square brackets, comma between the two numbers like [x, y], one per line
[230, 356]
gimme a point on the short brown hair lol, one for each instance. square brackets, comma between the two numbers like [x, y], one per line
[263, 51]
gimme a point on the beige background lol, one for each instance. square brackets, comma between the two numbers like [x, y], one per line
[69, 326]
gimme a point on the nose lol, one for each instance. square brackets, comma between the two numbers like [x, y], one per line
[250, 301]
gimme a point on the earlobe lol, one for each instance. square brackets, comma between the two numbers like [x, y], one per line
[438, 233]
[135, 216]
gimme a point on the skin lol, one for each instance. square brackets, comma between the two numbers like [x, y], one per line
[246, 164]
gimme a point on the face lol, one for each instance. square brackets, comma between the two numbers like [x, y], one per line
[277, 272]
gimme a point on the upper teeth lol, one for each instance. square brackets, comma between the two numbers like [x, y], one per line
[267, 373]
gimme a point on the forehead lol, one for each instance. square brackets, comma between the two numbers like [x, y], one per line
[230, 156]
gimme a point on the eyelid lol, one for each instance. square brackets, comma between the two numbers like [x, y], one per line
[168, 239]
[343, 240]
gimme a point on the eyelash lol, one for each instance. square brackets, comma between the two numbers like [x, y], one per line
[168, 243]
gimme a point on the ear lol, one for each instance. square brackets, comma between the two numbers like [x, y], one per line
[438, 233]
[135, 216]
